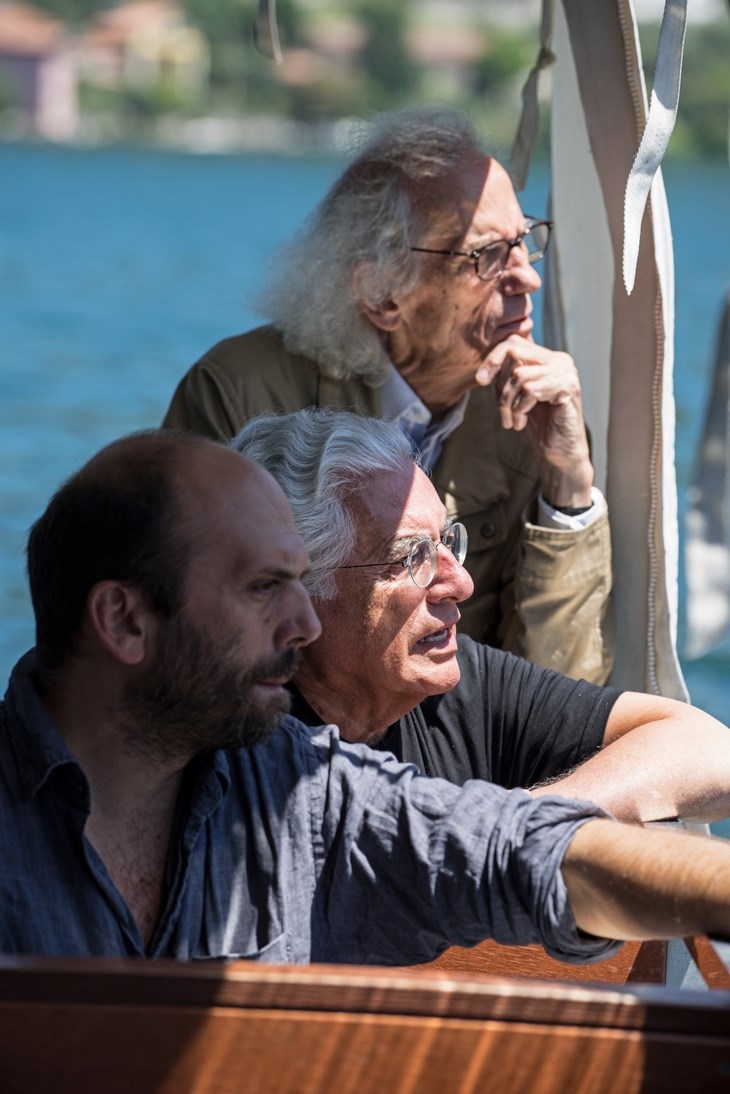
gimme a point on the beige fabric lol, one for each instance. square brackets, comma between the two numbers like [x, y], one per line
[541, 593]
[622, 345]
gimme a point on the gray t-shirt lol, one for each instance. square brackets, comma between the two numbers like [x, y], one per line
[301, 849]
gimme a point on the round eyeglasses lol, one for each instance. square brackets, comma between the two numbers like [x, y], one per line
[422, 558]
[491, 259]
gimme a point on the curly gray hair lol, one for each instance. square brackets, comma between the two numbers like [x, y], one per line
[355, 247]
[322, 459]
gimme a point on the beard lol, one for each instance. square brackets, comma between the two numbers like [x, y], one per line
[194, 698]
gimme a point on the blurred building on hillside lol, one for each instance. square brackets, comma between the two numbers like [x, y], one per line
[137, 46]
[38, 72]
[142, 44]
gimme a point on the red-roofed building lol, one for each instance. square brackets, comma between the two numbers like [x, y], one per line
[37, 64]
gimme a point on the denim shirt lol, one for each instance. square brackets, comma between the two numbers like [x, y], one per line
[301, 849]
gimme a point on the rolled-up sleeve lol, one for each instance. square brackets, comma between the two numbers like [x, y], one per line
[411, 865]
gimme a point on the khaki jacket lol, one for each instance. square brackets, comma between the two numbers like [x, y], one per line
[542, 594]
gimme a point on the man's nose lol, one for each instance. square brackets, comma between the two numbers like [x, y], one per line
[302, 625]
[451, 579]
[519, 274]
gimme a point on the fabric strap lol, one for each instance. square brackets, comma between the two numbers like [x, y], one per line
[266, 31]
[658, 130]
[527, 127]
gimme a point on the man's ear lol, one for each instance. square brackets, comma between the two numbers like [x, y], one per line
[385, 316]
[120, 618]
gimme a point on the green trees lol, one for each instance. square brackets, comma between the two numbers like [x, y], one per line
[390, 74]
[346, 57]
[703, 115]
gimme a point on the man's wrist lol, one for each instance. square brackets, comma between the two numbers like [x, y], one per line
[567, 495]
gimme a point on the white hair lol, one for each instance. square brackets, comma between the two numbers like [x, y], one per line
[322, 458]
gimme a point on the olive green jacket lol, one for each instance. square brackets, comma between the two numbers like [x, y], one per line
[540, 593]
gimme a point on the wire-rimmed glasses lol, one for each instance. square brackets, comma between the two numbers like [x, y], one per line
[491, 259]
[422, 558]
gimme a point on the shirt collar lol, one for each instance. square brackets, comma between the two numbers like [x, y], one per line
[398, 399]
[400, 404]
[36, 743]
[39, 748]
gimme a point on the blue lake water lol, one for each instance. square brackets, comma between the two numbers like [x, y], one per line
[118, 268]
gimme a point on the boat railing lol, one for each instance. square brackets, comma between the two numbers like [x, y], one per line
[92, 1024]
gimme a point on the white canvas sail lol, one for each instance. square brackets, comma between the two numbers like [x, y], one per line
[622, 343]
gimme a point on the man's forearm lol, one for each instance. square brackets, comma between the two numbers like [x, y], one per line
[635, 883]
[673, 766]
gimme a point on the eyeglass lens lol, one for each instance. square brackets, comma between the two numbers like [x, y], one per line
[494, 258]
[423, 555]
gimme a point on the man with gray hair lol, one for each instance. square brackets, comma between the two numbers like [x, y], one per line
[386, 578]
[408, 296]
[158, 802]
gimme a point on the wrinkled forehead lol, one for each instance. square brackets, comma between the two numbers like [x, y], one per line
[479, 196]
[396, 505]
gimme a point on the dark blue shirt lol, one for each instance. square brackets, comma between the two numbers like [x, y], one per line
[301, 849]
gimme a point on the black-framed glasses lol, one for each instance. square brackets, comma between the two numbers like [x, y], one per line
[491, 259]
[422, 558]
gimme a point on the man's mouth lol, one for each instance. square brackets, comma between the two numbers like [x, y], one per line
[277, 671]
[439, 639]
[521, 325]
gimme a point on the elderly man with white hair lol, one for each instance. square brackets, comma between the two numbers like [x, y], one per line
[409, 295]
[387, 578]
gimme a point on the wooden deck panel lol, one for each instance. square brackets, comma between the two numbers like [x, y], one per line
[91, 1026]
[635, 962]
